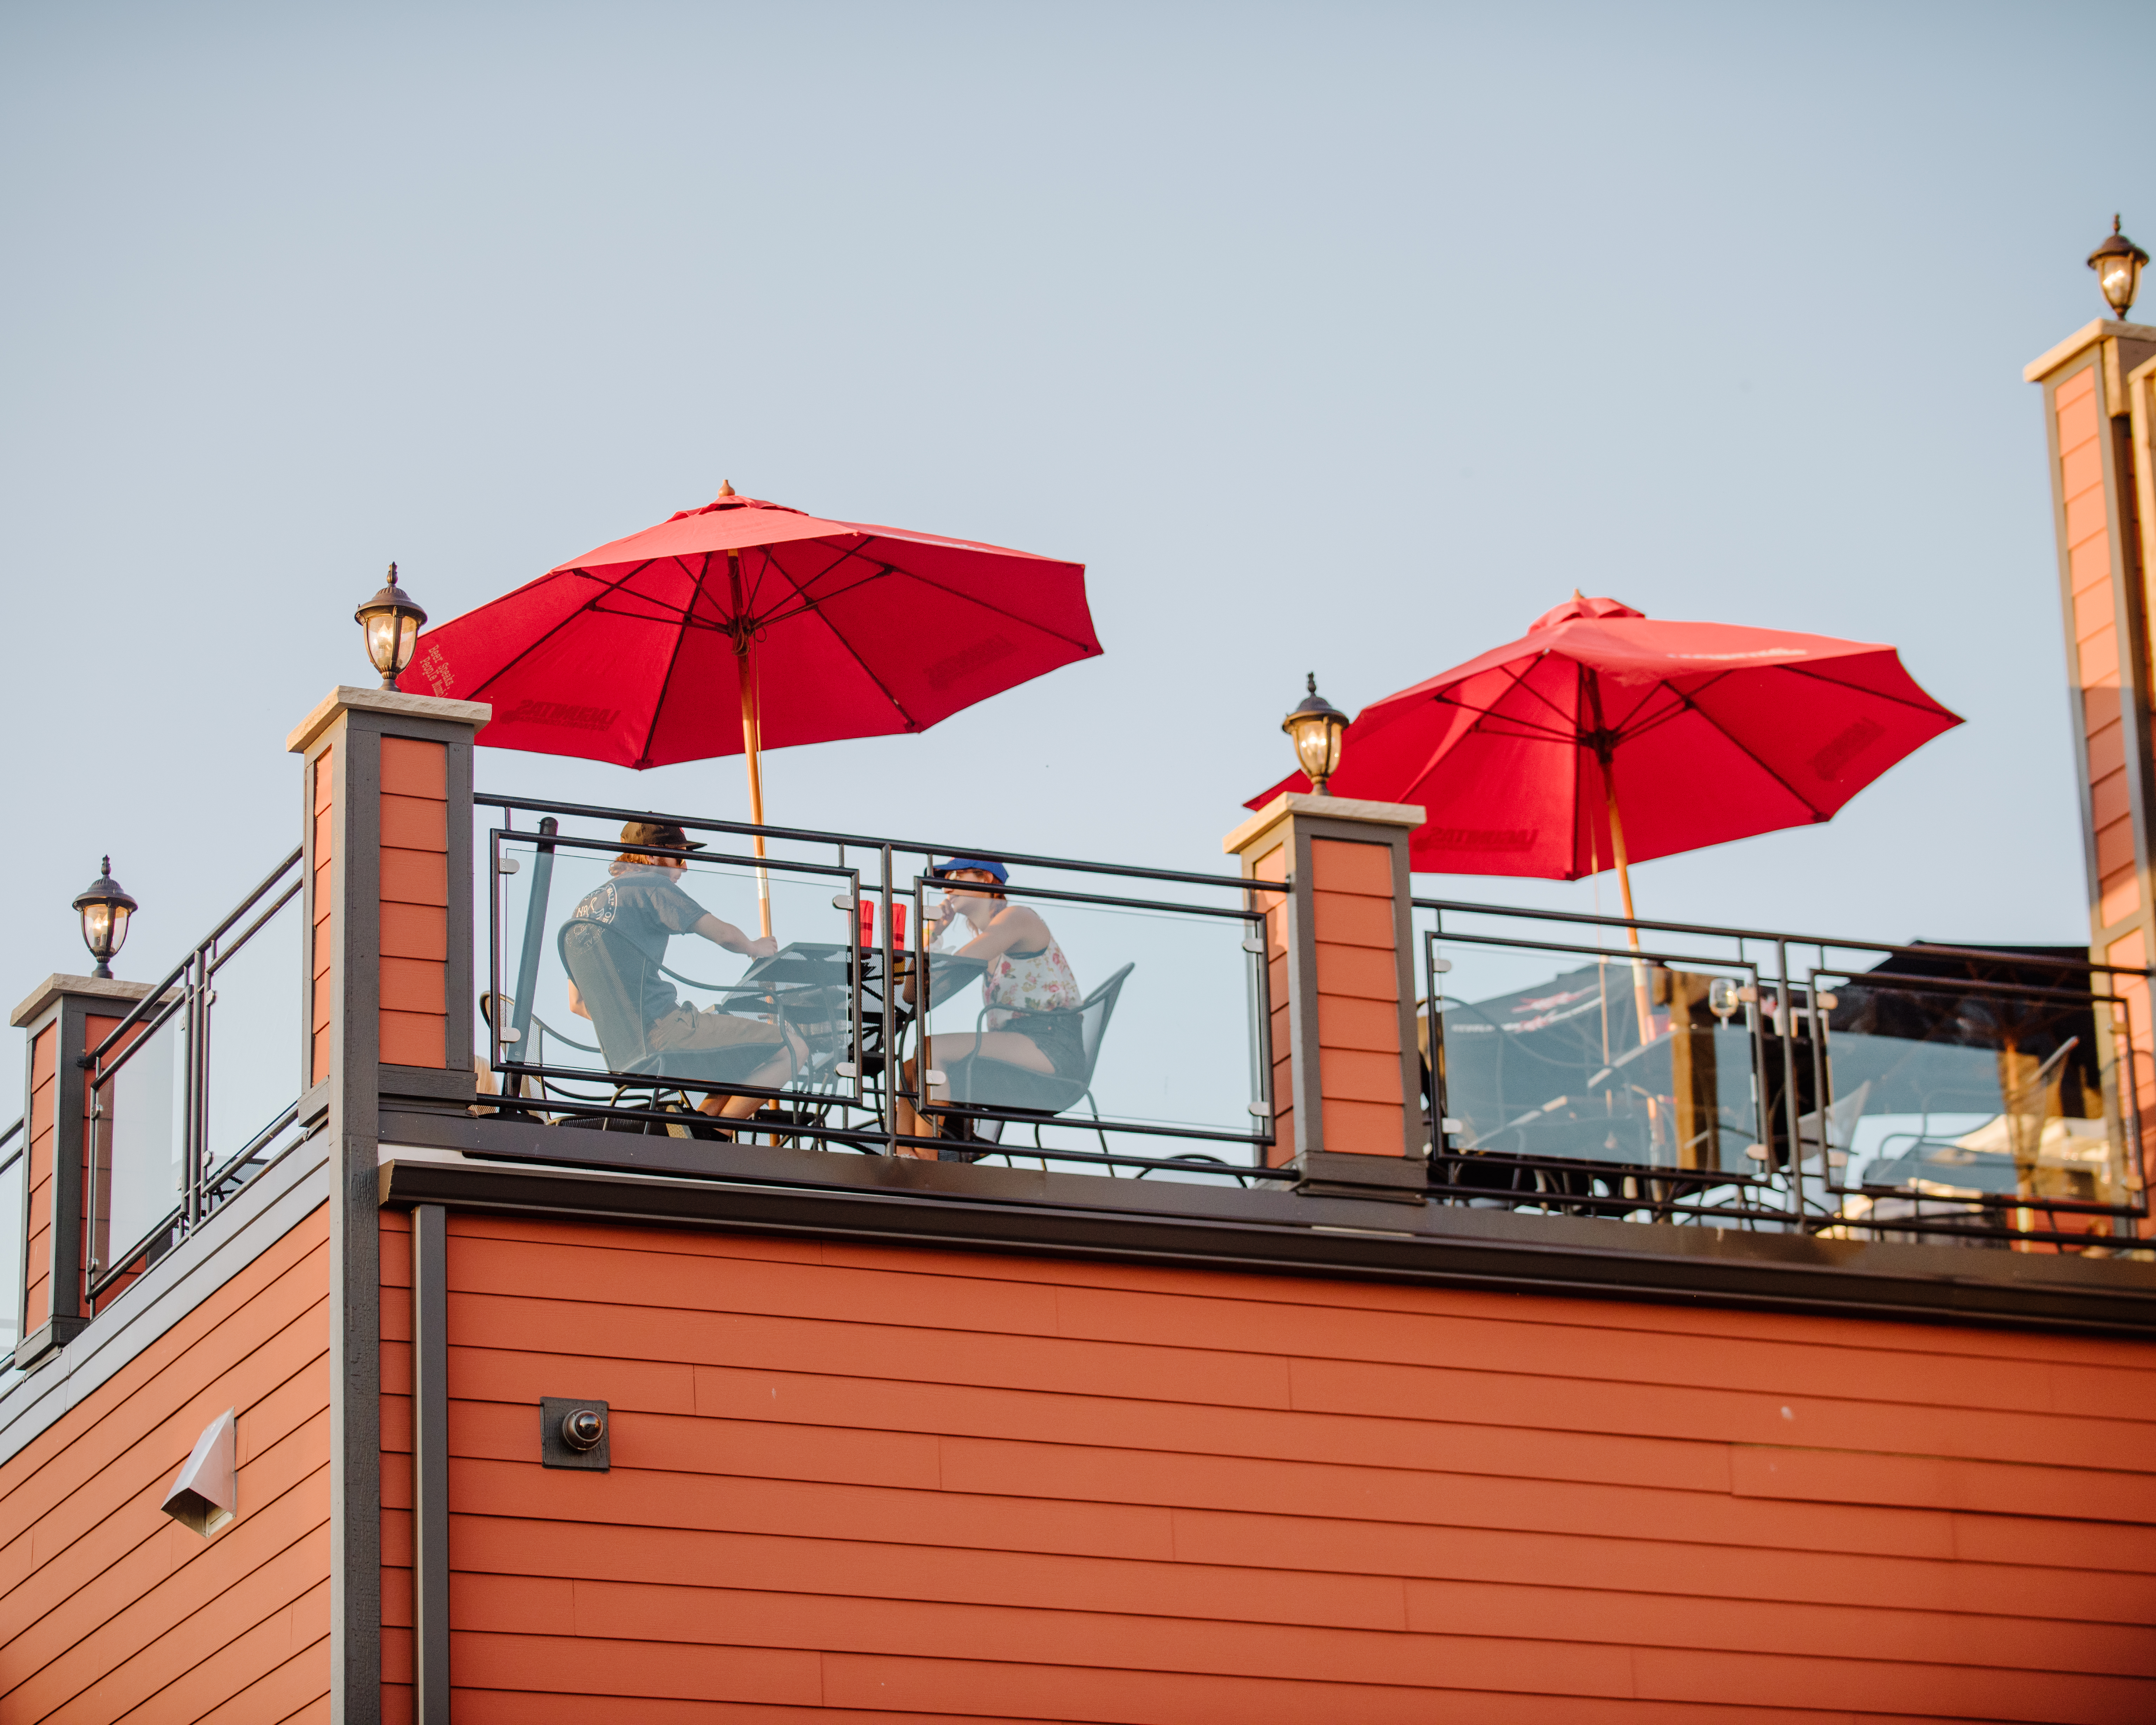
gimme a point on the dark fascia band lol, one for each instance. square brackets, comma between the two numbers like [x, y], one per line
[951, 1205]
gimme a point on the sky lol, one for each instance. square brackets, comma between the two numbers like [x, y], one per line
[1344, 338]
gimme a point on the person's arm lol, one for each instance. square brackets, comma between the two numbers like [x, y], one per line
[1013, 925]
[576, 1002]
[725, 934]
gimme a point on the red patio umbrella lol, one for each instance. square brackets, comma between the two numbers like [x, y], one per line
[745, 624]
[1603, 737]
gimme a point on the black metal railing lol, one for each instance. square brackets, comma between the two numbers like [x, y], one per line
[14, 1171]
[865, 1031]
[1738, 1077]
[174, 1132]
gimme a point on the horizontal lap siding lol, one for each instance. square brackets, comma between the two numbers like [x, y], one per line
[921, 1484]
[2098, 638]
[107, 1605]
[415, 899]
[1358, 1021]
[38, 1244]
[323, 897]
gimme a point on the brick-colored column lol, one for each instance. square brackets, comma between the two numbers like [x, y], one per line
[2099, 479]
[1346, 1072]
[64, 1018]
[389, 982]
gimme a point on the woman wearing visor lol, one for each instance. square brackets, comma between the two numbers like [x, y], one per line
[1031, 995]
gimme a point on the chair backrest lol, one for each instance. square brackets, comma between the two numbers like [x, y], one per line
[608, 971]
[1095, 1010]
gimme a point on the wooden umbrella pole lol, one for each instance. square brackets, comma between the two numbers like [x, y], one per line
[1640, 1001]
[751, 743]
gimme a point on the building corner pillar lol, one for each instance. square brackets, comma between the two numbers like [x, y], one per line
[387, 987]
[62, 1021]
[1339, 952]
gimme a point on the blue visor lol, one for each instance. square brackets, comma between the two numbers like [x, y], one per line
[986, 867]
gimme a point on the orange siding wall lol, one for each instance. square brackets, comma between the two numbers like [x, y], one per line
[1359, 995]
[106, 1605]
[899, 1484]
[2096, 640]
[37, 1173]
[1273, 866]
[415, 899]
[325, 892]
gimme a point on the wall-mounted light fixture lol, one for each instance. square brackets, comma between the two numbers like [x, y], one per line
[1316, 727]
[392, 620]
[206, 1494]
[104, 907]
[2117, 265]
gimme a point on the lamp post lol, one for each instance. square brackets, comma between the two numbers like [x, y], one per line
[2117, 265]
[1316, 727]
[104, 907]
[391, 620]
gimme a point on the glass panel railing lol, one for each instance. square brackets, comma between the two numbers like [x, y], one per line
[1112, 1011]
[609, 970]
[14, 1166]
[192, 1091]
[1569, 1076]
[254, 1047]
[1957, 1107]
[138, 1172]
[606, 1008]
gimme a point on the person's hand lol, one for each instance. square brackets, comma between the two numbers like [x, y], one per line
[764, 946]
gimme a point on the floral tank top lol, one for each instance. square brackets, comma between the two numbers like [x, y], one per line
[1041, 981]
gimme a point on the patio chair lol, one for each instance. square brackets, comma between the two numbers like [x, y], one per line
[979, 1082]
[609, 973]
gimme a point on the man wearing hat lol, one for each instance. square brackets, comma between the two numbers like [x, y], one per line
[643, 903]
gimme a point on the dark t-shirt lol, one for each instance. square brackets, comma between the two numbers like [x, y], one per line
[646, 909]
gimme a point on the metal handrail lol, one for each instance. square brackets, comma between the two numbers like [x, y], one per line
[886, 887]
[189, 990]
[1795, 1003]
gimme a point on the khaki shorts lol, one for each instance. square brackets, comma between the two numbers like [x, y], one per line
[684, 1028]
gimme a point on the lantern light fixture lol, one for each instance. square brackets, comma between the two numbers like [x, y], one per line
[392, 620]
[1316, 727]
[104, 907]
[2117, 265]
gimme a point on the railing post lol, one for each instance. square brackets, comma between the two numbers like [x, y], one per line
[63, 1020]
[390, 1002]
[1339, 946]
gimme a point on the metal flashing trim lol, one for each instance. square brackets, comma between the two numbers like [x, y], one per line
[346, 699]
[1336, 1173]
[757, 1189]
[267, 1208]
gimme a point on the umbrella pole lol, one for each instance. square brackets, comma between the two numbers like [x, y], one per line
[1640, 1004]
[752, 749]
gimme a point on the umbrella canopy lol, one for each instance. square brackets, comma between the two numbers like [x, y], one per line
[745, 622]
[1698, 733]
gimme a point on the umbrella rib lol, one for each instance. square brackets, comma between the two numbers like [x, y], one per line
[1924, 706]
[673, 659]
[1818, 813]
[527, 651]
[853, 652]
[1011, 616]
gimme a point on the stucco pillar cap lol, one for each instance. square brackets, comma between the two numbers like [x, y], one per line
[346, 699]
[1290, 804]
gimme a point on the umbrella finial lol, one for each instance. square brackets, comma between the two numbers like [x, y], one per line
[726, 488]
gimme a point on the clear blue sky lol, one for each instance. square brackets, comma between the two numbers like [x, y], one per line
[1347, 336]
